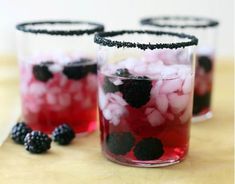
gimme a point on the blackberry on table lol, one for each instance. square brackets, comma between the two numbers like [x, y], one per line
[120, 143]
[41, 71]
[205, 62]
[37, 142]
[63, 134]
[149, 149]
[136, 91]
[19, 132]
[79, 69]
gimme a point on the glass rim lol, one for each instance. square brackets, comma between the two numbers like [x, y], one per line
[100, 38]
[153, 21]
[77, 32]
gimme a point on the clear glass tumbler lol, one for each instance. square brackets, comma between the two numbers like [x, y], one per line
[145, 84]
[205, 30]
[58, 74]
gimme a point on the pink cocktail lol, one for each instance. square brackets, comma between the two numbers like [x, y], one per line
[58, 74]
[145, 100]
[53, 92]
[141, 108]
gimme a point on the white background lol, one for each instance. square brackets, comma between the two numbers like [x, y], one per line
[115, 14]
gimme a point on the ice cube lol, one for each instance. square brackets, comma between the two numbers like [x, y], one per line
[168, 72]
[116, 109]
[75, 87]
[140, 69]
[116, 98]
[128, 63]
[37, 89]
[109, 69]
[24, 88]
[117, 82]
[54, 90]
[154, 69]
[63, 81]
[91, 82]
[185, 117]
[32, 106]
[55, 68]
[156, 88]
[149, 110]
[178, 102]
[64, 100]
[155, 118]
[115, 120]
[162, 103]
[102, 99]
[183, 71]
[170, 86]
[187, 85]
[107, 114]
[151, 56]
[51, 99]
[151, 102]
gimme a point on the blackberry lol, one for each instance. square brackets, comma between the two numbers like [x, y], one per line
[19, 132]
[41, 71]
[122, 72]
[120, 143]
[109, 87]
[63, 134]
[37, 142]
[136, 91]
[201, 102]
[205, 62]
[148, 149]
[79, 69]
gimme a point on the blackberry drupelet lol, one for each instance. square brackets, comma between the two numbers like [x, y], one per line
[205, 62]
[79, 69]
[148, 149]
[19, 132]
[37, 142]
[63, 134]
[120, 143]
[41, 71]
[136, 91]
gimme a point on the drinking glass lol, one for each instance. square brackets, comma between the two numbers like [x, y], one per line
[145, 85]
[205, 30]
[58, 74]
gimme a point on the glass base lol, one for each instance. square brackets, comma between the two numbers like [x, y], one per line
[202, 117]
[148, 164]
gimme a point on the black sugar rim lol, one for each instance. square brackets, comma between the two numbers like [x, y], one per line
[23, 27]
[100, 38]
[152, 21]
